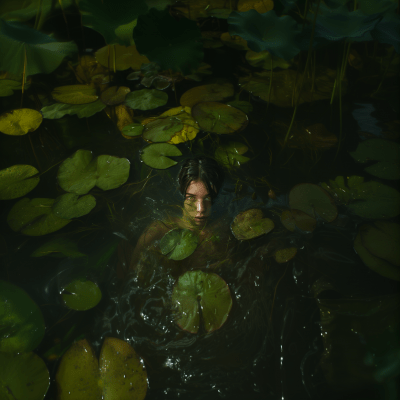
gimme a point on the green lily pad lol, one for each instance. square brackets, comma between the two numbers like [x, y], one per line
[205, 292]
[162, 129]
[386, 152]
[146, 99]
[180, 243]
[172, 44]
[58, 110]
[34, 217]
[106, 18]
[43, 53]
[155, 155]
[7, 87]
[219, 118]
[58, 248]
[21, 321]
[23, 377]
[376, 264]
[231, 154]
[213, 92]
[122, 372]
[81, 295]
[264, 59]
[251, 224]
[133, 129]
[366, 199]
[78, 373]
[20, 121]
[80, 173]
[17, 181]
[75, 94]
[244, 106]
[70, 205]
[114, 95]
[312, 200]
[284, 255]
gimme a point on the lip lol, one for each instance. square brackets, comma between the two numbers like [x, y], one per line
[199, 219]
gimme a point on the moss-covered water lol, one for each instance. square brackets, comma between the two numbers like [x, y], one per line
[296, 298]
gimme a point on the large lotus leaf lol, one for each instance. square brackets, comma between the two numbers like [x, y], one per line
[21, 321]
[146, 99]
[313, 200]
[198, 291]
[251, 224]
[17, 181]
[58, 247]
[219, 118]
[7, 87]
[264, 59]
[376, 264]
[70, 205]
[81, 295]
[387, 30]
[106, 18]
[78, 373]
[75, 94]
[213, 92]
[43, 53]
[20, 121]
[180, 244]
[120, 58]
[155, 155]
[172, 44]
[114, 95]
[23, 377]
[58, 110]
[366, 199]
[231, 154]
[112, 172]
[122, 371]
[34, 217]
[386, 152]
[278, 35]
[284, 82]
[162, 129]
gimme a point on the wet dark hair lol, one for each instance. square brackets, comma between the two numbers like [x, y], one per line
[204, 169]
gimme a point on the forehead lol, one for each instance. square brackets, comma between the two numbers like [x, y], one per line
[197, 188]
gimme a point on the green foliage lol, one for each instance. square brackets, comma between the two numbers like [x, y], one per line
[170, 43]
[21, 321]
[58, 110]
[231, 154]
[7, 87]
[146, 99]
[81, 295]
[17, 181]
[43, 53]
[155, 155]
[59, 247]
[70, 205]
[251, 224]
[179, 244]
[162, 129]
[133, 129]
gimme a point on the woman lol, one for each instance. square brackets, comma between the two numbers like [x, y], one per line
[200, 179]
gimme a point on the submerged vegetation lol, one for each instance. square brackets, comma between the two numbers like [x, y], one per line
[101, 101]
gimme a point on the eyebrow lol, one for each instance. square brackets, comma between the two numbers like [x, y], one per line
[190, 194]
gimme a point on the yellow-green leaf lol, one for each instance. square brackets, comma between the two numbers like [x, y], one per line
[74, 94]
[17, 181]
[20, 121]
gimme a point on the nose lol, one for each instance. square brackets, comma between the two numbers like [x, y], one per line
[200, 207]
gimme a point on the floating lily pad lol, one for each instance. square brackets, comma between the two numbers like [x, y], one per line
[17, 181]
[386, 152]
[122, 372]
[21, 321]
[244, 106]
[213, 92]
[43, 53]
[231, 154]
[236, 42]
[261, 6]
[377, 264]
[251, 224]
[80, 173]
[120, 57]
[219, 118]
[146, 99]
[264, 59]
[292, 218]
[75, 94]
[58, 110]
[198, 291]
[312, 200]
[114, 95]
[34, 217]
[288, 220]
[132, 129]
[162, 129]
[81, 295]
[285, 255]
[7, 87]
[78, 373]
[155, 155]
[59, 247]
[70, 205]
[179, 244]
[23, 377]
[366, 199]
[20, 121]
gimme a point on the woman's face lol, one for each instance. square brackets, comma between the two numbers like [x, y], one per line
[197, 202]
